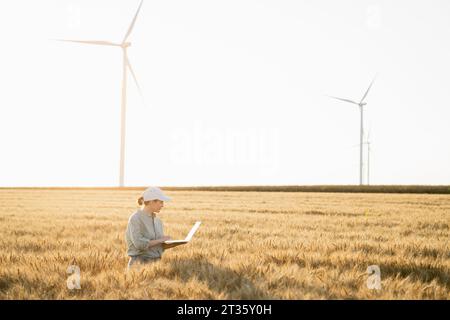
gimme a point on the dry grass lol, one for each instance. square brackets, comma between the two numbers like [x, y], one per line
[251, 245]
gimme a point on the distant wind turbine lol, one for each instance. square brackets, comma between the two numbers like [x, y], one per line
[367, 143]
[126, 65]
[361, 104]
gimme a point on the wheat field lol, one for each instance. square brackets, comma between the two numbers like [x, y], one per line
[251, 245]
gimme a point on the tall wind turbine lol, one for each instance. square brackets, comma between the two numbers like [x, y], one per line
[361, 105]
[126, 66]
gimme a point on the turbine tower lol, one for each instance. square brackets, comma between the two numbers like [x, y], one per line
[126, 65]
[361, 105]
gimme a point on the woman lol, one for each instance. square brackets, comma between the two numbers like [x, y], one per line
[145, 236]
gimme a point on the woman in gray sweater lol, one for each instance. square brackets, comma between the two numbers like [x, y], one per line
[145, 236]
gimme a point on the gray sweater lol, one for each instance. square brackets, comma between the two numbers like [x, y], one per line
[142, 228]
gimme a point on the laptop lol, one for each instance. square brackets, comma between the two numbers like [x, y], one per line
[189, 236]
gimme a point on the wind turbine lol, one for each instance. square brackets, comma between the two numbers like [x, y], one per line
[361, 105]
[126, 66]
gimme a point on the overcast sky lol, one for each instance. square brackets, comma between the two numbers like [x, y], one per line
[234, 92]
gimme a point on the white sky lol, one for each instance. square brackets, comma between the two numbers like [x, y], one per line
[234, 92]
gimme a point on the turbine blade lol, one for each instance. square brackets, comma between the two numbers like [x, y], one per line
[132, 23]
[346, 100]
[100, 43]
[365, 95]
[134, 76]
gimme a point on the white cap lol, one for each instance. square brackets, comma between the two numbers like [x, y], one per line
[154, 193]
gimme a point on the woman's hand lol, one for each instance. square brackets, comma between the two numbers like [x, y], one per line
[157, 242]
[165, 238]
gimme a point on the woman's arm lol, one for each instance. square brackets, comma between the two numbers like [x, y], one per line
[156, 242]
[139, 240]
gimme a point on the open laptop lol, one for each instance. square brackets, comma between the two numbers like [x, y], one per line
[189, 236]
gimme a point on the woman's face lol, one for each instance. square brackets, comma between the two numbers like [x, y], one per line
[156, 205]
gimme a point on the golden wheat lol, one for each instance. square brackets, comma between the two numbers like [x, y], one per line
[251, 245]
